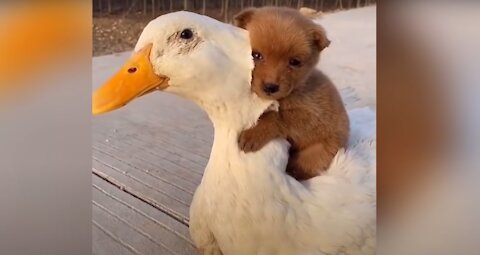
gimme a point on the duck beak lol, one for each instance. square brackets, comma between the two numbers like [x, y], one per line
[135, 78]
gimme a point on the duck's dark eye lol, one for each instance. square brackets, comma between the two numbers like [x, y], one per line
[257, 55]
[186, 34]
[295, 62]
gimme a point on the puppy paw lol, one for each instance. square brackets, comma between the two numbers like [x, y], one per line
[250, 140]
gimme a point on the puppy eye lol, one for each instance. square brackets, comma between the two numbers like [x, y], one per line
[186, 34]
[257, 55]
[294, 62]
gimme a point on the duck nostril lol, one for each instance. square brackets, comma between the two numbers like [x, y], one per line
[271, 88]
[132, 69]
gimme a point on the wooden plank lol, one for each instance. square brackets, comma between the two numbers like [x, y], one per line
[125, 232]
[105, 243]
[112, 191]
[124, 224]
[159, 169]
[145, 188]
[152, 148]
[122, 171]
[159, 127]
[172, 142]
[164, 112]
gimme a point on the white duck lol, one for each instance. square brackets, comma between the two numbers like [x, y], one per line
[246, 204]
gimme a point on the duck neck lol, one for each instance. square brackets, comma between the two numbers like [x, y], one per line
[226, 158]
[236, 113]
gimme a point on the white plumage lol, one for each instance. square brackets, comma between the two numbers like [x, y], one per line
[246, 203]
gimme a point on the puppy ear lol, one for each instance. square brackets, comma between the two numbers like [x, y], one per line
[320, 37]
[243, 17]
[310, 13]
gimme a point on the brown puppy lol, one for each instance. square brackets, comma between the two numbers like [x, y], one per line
[286, 47]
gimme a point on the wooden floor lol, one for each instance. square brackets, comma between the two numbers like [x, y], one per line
[148, 158]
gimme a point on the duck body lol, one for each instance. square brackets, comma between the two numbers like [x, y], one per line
[246, 204]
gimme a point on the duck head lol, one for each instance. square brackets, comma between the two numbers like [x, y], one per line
[191, 55]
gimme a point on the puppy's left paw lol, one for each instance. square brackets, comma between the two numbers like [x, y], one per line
[251, 140]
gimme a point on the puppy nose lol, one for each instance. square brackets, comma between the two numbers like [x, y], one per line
[270, 88]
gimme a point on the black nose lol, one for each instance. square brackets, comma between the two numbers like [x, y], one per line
[270, 88]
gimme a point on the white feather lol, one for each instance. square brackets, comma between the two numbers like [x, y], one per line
[246, 203]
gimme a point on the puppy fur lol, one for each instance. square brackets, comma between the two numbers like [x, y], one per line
[286, 46]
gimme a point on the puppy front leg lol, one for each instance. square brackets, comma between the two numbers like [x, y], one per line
[267, 128]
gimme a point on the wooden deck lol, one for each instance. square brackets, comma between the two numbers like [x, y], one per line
[148, 158]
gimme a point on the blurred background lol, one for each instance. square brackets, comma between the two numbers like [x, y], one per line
[117, 24]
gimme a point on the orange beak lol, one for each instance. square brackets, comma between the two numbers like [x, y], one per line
[135, 78]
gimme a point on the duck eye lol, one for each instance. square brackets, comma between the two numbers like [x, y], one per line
[294, 62]
[186, 34]
[257, 55]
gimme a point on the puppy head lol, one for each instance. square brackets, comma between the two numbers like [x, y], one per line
[285, 47]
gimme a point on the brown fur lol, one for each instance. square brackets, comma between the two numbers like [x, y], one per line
[311, 114]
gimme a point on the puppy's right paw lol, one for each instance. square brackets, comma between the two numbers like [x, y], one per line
[250, 141]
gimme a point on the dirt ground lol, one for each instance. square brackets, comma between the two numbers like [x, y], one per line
[117, 33]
